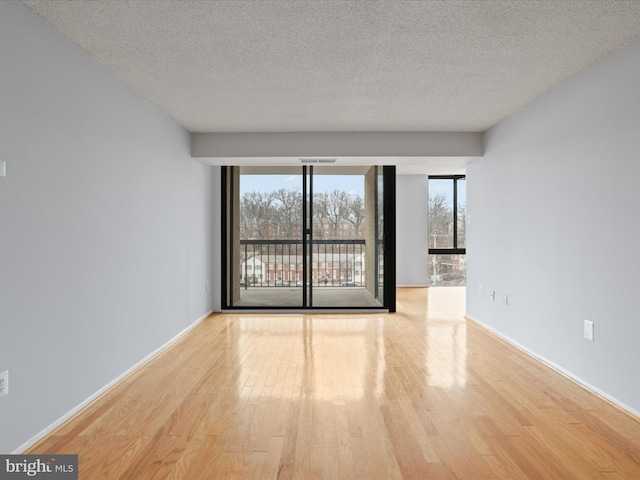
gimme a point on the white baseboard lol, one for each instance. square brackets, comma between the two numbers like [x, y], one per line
[36, 438]
[574, 378]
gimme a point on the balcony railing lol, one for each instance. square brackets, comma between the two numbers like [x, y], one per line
[279, 263]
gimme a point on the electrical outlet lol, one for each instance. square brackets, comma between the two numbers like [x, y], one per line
[506, 299]
[480, 290]
[4, 383]
[493, 295]
[588, 330]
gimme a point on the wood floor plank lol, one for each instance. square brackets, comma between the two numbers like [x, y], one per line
[181, 468]
[271, 467]
[420, 394]
[343, 443]
[361, 465]
[407, 450]
[206, 459]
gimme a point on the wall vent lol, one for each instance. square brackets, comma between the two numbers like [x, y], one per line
[307, 161]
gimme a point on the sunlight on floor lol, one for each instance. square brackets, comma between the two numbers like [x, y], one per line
[446, 340]
[446, 302]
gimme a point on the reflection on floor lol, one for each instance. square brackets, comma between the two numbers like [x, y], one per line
[292, 297]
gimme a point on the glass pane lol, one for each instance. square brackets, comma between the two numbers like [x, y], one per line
[270, 207]
[441, 213]
[340, 242]
[450, 270]
[344, 261]
[462, 213]
[270, 235]
[379, 291]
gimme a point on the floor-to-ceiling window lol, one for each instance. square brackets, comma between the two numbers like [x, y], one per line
[308, 237]
[447, 232]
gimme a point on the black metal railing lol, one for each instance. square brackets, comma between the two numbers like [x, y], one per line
[280, 263]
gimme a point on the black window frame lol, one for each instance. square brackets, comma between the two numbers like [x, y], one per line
[388, 174]
[455, 250]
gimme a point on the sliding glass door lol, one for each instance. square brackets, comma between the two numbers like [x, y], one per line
[306, 237]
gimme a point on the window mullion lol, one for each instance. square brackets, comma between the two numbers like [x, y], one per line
[455, 213]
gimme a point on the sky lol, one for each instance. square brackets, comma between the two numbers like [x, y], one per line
[446, 187]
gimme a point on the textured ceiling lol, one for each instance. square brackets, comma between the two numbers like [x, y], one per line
[291, 66]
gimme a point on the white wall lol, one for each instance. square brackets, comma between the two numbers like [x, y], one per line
[412, 230]
[106, 226]
[554, 206]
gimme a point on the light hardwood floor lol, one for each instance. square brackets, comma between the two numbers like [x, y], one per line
[417, 394]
